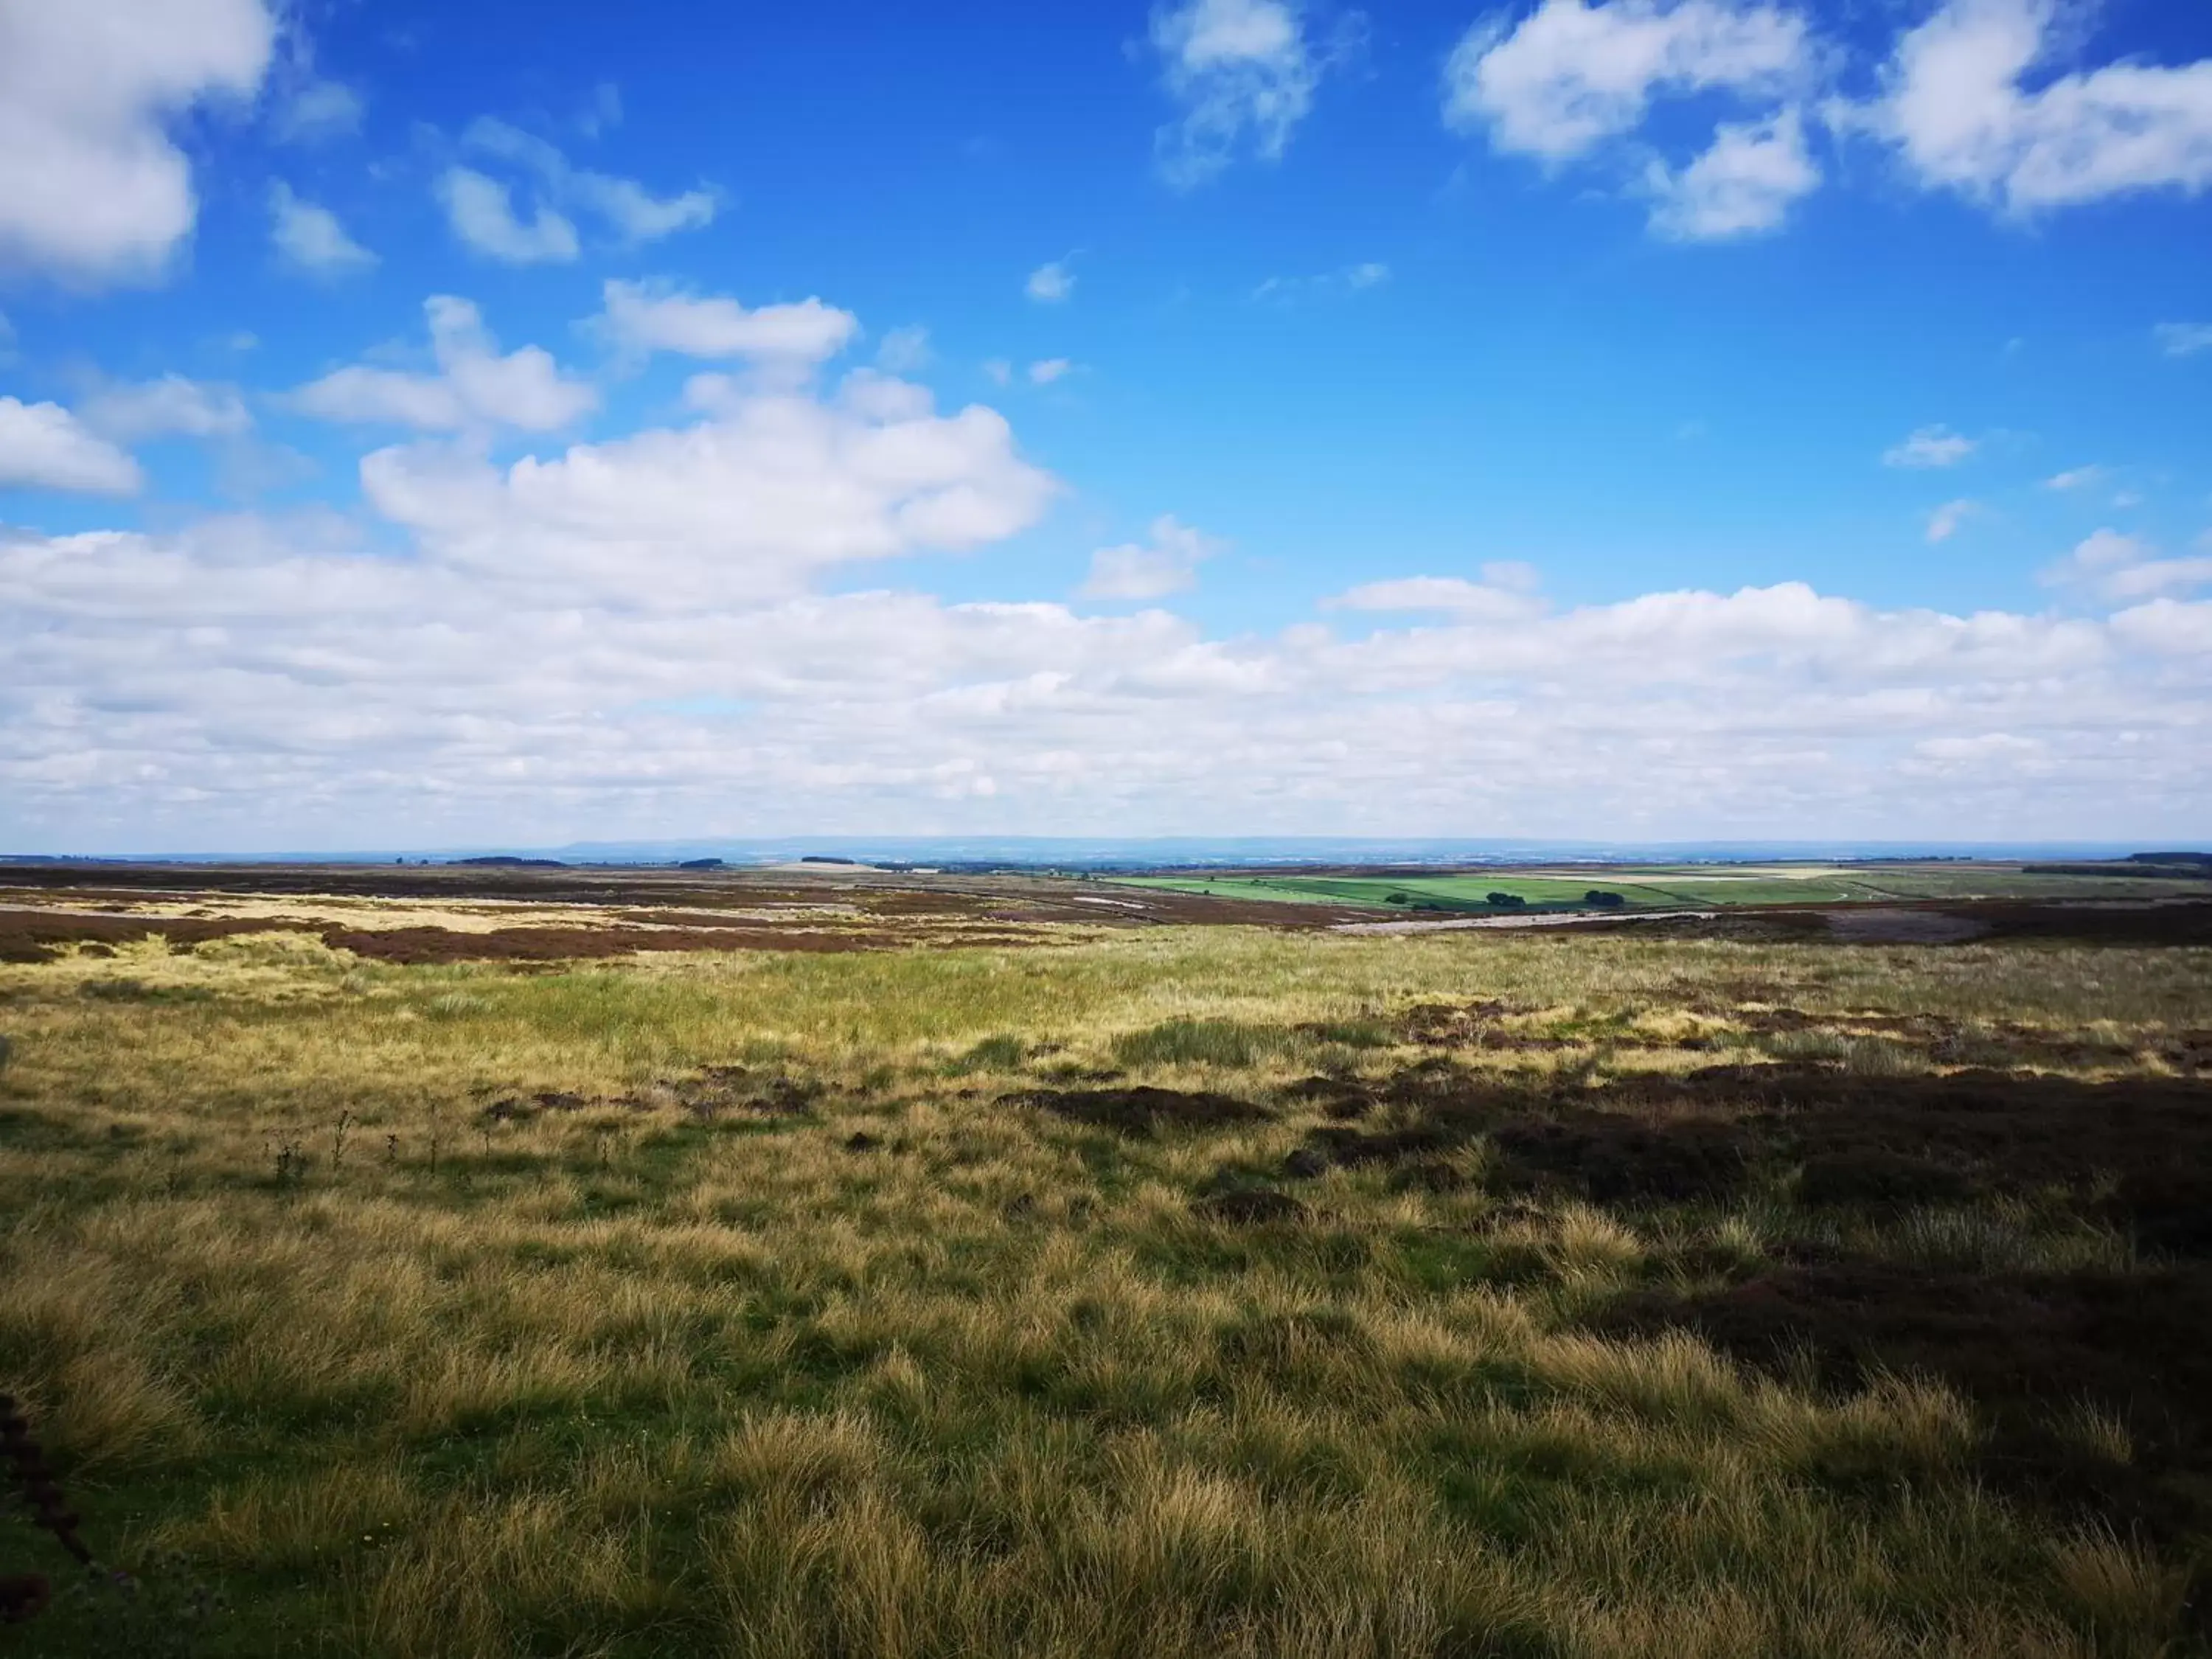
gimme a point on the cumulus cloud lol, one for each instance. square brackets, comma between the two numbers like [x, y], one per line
[1575, 73]
[1243, 75]
[2183, 339]
[2119, 569]
[1966, 102]
[44, 446]
[1050, 284]
[310, 238]
[1168, 563]
[1742, 186]
[482, 213]
[475, 389]
[1929, 446]
[657, 317]
[172, 406]
[256, 684]
[1955, 105]
[1046, 370]
[92, 187]
[775, 485]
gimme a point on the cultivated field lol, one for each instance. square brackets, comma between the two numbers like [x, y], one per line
[964, 1270]
[1676, 887]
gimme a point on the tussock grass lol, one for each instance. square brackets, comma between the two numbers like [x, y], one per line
[626, 1378]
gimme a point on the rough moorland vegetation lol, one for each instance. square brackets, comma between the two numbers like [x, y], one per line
[1196, 1290]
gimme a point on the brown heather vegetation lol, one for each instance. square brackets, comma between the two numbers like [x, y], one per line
[1183, 1291]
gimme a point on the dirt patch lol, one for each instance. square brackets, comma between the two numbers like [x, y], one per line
[1144, 1111]
[2025, 1347]
[1249, 1207]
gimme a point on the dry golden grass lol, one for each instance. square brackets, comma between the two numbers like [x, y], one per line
[631, 1380]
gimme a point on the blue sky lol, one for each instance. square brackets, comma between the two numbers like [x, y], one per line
[1598, 417]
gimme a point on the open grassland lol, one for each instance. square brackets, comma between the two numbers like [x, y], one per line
[1182, 1291]
[1673, 887]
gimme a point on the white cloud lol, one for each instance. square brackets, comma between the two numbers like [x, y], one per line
[1167, 564]
[171, 406]
[2119, 568]
[1574, 75]
[482, 214]
[1929, 446]
[649, 317]
[998, 371]
[636, 637]
[1046, 370]
[1050, 284]
[2078, 477]
[1742, 186]
[1946, 520]
[632, 212]
[311, 238]
[904, 350]
[252, 683]
[1506, 594]
[1244, 76]
[317, 112]
[743, 505]
[44, 446]
[1954, 103]
[2184, 339]
[2176, 629]
[475, 388]
[91, 188]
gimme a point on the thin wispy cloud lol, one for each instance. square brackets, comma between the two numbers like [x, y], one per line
[1946, 520]
[1051, 284]
[310, 238]
[2183, 339]
[1929, 446]
[1243, 75]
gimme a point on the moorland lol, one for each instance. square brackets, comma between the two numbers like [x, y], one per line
[423, 1260]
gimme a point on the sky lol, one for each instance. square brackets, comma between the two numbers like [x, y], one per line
[433, 425]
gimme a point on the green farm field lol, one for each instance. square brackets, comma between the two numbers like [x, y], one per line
[932, 1272]
[1661, 887]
